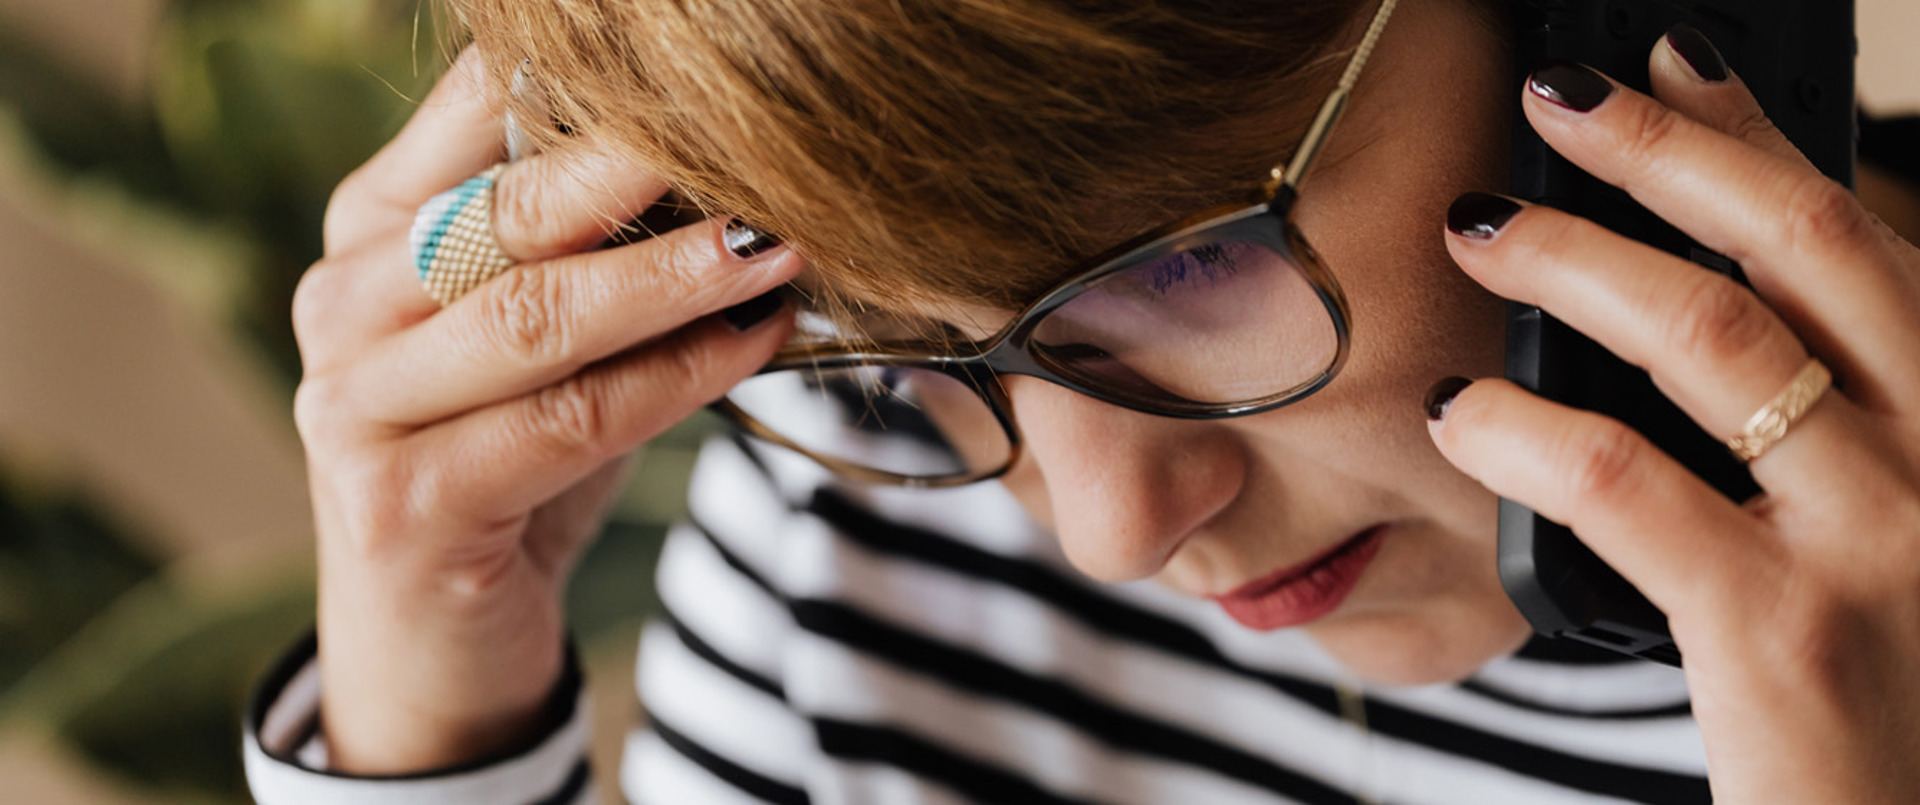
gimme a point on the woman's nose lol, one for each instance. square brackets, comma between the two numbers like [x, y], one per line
[1122, 489]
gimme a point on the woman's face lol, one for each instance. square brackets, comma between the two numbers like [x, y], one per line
[1211, 508]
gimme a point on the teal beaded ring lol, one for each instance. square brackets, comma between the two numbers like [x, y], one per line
[454, 248]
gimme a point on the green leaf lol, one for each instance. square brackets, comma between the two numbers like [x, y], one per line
[61, 563]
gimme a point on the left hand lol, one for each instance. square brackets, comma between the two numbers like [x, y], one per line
[1798, 611]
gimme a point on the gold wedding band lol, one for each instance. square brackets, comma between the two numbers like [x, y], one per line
[1769, 425]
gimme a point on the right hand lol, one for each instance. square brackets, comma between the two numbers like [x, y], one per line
[461, 459]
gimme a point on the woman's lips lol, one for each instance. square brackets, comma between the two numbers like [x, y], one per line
[1296, 595]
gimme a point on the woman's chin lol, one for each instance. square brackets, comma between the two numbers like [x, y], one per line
[1436, 645]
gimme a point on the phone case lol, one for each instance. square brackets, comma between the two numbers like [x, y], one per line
[1797, 56]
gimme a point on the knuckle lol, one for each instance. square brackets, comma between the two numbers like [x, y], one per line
[1752, 125]
[571, 416]
[313, 297]
[523, 315]
[1548, 237]
[689, 365]
[521, 214]
[1719, 321]
[1823, 215]
[525, 218]
[348, 196]
[1648, 129]
[680, 268]
[386, 497]
[1602, 458]
[316, 411]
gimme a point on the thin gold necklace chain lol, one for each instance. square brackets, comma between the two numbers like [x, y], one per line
[1352, 695]
[1348, 688]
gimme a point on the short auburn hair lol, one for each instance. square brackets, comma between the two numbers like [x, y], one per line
[930, 150]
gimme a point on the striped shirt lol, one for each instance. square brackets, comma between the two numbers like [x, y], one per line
[831, 644]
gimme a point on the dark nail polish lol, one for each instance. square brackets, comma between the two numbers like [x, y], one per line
[1440, 397]
[744, 240]
[1698, 50]
[1570, 86]
[742, 317]
[1480, 215]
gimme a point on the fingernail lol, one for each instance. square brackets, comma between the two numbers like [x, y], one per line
[1440, 397]
[742, 317]
[744, 240]
[1480, 215]
[1570, 86]
[1699, 53]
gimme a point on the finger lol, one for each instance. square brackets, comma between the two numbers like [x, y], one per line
[1710, 344]
[1690, 76]
[540, 322]
[1683, 544]
[350, 301]
[553, 204]
[458, 131]
[545, 206]
[1821, 261]
[507, 458]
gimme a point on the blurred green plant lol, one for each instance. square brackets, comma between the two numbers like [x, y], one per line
[257, 109]
[61, 563]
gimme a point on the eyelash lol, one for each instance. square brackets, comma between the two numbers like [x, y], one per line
[1212, 263]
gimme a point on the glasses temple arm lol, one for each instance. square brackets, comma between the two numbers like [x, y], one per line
[1295, 171]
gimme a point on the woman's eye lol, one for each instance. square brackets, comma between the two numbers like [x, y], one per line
[1078, 352]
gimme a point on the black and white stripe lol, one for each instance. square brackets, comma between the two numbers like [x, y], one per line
[286, 759]
[929, 647]
[824, 645]
[890, 656]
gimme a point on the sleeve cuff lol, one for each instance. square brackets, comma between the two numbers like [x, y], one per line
[286, 759]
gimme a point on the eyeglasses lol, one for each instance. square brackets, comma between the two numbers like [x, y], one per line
[1225, 313]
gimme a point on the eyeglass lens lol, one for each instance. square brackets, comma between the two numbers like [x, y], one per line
[910, 422]
[1218, 323]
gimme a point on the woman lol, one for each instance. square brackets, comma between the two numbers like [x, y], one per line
[936, 167]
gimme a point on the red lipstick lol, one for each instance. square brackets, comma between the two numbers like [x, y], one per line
[1305, 592]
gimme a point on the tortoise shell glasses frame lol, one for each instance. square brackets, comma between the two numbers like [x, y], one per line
[1266, 223]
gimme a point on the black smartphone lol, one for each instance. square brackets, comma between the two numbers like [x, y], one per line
[1798, 58]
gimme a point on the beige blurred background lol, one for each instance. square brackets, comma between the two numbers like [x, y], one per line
[137, 401]
[118, 378]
